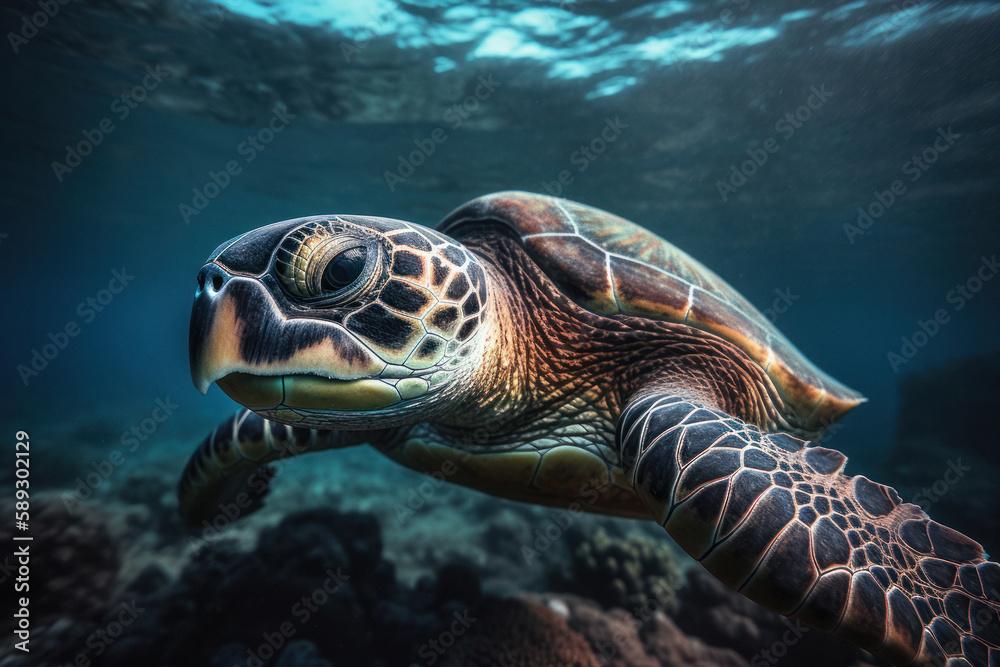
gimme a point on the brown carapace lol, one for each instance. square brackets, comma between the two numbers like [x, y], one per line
[550, 352]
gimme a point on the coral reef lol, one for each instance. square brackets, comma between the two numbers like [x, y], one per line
[298, 653]
[149, 489]
[516, 633]
[301, 653]
[316, 570]
[616, 572]
[722, 617]
[315, 590]
[665, 641]
[621, 639]
[74, 564]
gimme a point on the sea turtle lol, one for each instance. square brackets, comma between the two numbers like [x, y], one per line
[546, 351]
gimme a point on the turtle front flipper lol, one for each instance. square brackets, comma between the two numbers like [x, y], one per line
[778, 521]
[228, 474]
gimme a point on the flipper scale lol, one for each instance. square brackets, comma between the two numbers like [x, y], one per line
[779, 521]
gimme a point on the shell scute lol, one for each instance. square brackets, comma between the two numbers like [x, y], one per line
[614, 267]
[590, 288]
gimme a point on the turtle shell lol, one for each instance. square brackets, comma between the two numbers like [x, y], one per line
[612, 266]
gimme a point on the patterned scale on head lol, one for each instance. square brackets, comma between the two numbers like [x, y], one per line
[362, 314]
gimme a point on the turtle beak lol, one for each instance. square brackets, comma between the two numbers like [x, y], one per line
[242, 338]
[216, 328]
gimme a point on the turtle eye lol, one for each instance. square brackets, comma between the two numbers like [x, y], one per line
[344, 268]
[325, 263]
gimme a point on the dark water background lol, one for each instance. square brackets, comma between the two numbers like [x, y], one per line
[708, 82]
[693, 87]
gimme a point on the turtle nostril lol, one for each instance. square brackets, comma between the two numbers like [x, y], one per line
[211, 279]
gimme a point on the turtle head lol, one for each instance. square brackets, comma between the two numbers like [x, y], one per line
[338, 321]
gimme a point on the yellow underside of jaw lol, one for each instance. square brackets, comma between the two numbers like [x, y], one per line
[311, 392]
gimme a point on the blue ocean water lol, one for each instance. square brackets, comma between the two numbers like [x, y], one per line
[837, 163]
